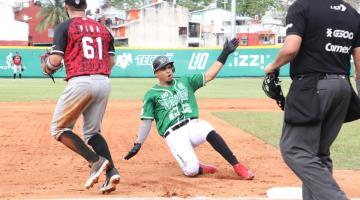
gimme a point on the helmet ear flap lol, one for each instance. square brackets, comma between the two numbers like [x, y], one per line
[173, 68]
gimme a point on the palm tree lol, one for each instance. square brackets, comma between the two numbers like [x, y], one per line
[52, 13]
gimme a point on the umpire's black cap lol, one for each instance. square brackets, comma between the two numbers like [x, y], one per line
[160, 62]
[76, 3]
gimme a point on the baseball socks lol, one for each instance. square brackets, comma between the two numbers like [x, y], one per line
[217, 142]
[98, 143]
[100, 146]
[75, 143]
[98, 163]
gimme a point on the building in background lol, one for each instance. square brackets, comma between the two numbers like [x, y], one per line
[13, 32]
[157, 24]
[26, 11]
[160, 24]
[251, 31]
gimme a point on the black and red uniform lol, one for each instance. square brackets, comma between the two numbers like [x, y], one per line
[83, 43]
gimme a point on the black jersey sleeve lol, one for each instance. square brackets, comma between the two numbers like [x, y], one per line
[357, 35]
[296, 19]
[60, 38]
[111, 46]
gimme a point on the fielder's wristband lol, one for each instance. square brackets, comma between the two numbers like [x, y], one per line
[49, 66]
[223, 57]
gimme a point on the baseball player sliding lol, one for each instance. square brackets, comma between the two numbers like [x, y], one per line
[173, 105]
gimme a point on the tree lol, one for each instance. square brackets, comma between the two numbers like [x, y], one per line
[52, 13]
[283, 7]
[194, 4]
[258, 8]
[244, 7]
[127, 4]
[190, 4]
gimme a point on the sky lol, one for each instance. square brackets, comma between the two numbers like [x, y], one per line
[92, 3]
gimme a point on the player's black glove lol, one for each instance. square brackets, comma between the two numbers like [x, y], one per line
[133, 151]
[229, 47]
[272, 88]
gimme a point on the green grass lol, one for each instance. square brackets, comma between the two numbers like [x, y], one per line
[267, 127]
[129, 88]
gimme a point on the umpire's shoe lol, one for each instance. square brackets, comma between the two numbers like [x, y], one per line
[243, 172]
[96, 168]
[112, 179]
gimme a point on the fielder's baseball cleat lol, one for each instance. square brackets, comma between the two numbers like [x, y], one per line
[112, 179]
[96, 168]
[243, 172]
[207, 169]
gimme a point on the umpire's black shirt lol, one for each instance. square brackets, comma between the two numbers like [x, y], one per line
[330, 29]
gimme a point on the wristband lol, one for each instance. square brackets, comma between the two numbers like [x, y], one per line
[223, 57]
[49, 66]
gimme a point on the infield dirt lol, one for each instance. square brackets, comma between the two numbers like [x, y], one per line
[34, 165]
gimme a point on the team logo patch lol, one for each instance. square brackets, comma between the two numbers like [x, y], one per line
[289, 26]
[340, 7]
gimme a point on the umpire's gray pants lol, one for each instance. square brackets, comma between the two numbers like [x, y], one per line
[306, 149]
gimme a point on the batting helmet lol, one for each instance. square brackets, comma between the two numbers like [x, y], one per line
[160, 62]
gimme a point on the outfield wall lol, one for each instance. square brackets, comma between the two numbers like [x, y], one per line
[136, 62]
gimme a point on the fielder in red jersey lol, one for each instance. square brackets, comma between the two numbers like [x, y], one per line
[87, 49]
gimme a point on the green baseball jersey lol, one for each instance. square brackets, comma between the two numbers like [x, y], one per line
[174, 103]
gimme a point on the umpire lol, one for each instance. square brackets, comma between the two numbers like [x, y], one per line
[321, 36]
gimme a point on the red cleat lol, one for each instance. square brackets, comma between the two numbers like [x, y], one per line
[207, 169]
[243, 172]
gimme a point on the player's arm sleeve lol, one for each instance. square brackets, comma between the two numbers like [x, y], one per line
[111, 50]
[144, 130]
[147, 111]
[356, 43]
[356, 54]
[197, 81]
[296, 19]
[60, 38]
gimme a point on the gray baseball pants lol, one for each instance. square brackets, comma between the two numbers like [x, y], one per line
[306, 149]
[86, 96]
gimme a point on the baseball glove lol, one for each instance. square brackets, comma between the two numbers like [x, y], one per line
[133, 151]
[272, 88]
[46, 71]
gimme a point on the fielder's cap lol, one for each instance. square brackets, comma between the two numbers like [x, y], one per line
[76, 3]
[160, 62]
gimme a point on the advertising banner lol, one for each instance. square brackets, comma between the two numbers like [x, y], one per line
[129, 62]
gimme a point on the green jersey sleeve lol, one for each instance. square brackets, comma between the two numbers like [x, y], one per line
[197, 81]
[147, 111]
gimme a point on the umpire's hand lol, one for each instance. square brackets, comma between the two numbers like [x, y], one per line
[133, 151]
